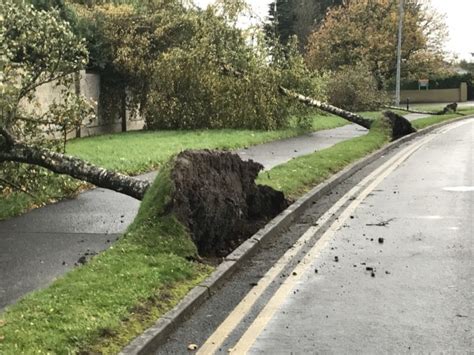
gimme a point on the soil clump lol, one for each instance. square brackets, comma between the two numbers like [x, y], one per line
[215, 196]
[400, 125]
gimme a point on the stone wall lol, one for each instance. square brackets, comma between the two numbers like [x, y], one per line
[89, 86]
[436, 95]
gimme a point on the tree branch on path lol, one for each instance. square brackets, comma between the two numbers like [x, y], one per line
[15, 151]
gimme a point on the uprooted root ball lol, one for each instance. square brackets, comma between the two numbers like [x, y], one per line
[399, 124]
[214, 195]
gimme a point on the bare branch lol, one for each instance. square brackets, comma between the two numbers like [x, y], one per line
[9, 138]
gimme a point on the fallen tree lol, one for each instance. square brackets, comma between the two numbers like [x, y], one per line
[400, 125]
[20, 139]
[452, 107]
[15, 151]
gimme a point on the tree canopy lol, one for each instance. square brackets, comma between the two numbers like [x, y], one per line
[287, 18]
[178, 65]
[366, 31]
[38, 48]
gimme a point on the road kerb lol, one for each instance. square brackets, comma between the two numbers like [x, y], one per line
[152, 337]
[157, 334]
[222, 272]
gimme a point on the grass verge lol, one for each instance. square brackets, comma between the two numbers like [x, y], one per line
[428, 121]
[100, 306]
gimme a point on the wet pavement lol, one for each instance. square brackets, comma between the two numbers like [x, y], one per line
[279, 152]
[397, 277]
[394, 275]
[45, 243]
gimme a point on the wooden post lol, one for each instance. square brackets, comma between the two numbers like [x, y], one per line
[77, 90]
[123, 111]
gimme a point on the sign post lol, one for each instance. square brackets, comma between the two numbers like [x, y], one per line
[424, 83]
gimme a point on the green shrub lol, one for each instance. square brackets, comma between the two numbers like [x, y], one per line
[354, 88]
[441, 82]
[186, 68]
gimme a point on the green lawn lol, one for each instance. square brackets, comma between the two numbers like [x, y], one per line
[138, 152]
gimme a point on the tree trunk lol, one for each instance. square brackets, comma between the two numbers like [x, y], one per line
[352, 117]
[77, 168]
[450, 108]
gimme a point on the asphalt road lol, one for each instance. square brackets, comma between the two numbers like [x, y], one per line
[45, 243]
[412, 290]
[391, 271]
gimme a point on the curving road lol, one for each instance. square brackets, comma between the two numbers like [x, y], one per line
[412, 290]
[392, 273]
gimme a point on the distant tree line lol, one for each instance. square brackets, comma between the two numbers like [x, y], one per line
[287, 18]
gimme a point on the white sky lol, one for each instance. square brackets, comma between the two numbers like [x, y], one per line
[459, 16]
[460, 21]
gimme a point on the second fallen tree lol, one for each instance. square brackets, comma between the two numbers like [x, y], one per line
[399, 124]
[308, 101]
[449, 108]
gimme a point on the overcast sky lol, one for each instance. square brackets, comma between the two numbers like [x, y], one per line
[459, 16]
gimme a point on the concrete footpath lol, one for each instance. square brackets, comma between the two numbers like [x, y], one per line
[45, 243]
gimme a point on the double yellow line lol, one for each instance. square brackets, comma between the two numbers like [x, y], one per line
[356, 195]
